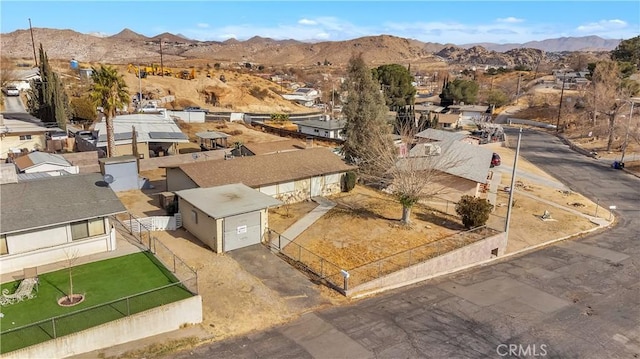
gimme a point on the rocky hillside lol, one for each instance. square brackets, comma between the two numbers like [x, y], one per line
[128, 46]
[562, 44]
[478, 55]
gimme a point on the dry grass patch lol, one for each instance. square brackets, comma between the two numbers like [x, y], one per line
[283, 217]
[365, 226]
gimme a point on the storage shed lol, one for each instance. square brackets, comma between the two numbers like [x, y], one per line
[225, 217]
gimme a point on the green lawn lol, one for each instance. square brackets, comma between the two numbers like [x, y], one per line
[100, 282]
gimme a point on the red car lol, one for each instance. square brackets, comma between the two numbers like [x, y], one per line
[495, 160]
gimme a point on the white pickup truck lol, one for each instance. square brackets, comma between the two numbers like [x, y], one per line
[151, 107]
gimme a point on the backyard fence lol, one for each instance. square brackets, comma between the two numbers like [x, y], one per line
[342, 279]
[155, 223]
[140, 229]
[306, 260]
[44, 330]
[412, 256]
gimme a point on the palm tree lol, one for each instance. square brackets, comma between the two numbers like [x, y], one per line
[109, 91]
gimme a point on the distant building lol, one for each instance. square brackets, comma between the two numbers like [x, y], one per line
[329, 129]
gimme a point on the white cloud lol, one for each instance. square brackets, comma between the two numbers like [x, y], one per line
[509, 20]
[307, 22]
[602, 26]
[202, 25]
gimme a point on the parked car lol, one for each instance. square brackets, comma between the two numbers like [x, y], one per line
[151, 107]
[11, 91]
[196, 109]
[495, 160]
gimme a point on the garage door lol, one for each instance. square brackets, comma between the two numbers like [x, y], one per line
[241, 231]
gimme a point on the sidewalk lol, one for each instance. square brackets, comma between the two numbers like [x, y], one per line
[324, 206]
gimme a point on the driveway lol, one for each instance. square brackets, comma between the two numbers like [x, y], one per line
[577, 299]
[13, 104]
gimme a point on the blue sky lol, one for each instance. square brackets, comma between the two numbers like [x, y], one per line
[457, 22]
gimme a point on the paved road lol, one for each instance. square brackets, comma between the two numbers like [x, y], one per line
[575, 299]
[13, 104]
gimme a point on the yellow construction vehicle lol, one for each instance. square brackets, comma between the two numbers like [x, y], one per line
[186, 74]
[133, 69]
[161, 71]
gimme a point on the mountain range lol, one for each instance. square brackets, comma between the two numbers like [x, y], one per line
[129, 46]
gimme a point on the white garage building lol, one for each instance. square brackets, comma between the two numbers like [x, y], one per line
[225, 217]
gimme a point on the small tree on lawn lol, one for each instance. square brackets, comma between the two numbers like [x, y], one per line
[474, 211]
[72, 258]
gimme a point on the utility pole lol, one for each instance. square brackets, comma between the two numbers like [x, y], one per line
[518, 90]
[564, 77]
[626, 137]
[512, 188]
[161, 60]
[33, 44]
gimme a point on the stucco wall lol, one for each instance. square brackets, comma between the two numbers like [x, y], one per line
[37, 141]
[155, 321]
[205, 230]
[126, 150]
[474, 253]
[178, 180]
[456, 187]
[57, 253]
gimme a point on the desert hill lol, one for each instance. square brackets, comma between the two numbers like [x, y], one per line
[128, 46]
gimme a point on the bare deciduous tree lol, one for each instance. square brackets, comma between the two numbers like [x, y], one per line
[412, 174]
[8, 71]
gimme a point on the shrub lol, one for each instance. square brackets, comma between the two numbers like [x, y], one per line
[259, 93]
[349, 181]
[474, 211]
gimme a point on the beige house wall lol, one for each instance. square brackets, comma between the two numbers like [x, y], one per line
[126, 150]
[207, 229]
[177, 180]
[37, 142]
[455, 187]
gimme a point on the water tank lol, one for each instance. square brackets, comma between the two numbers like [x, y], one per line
[74, 64]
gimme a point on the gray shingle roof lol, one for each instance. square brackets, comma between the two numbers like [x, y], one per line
[55, 200]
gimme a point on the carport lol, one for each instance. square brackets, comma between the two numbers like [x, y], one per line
[225, 217]
[212, 140]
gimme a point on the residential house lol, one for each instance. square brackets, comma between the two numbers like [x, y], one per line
[265, 148]
[48, 220]
[303, 95]
[291, 176]
[447, 120]
[22, 133]
[225, 217]
[21, 78]
[328, 129]
[42, 162]
[466, 167]
[156, 135]
[474, 113]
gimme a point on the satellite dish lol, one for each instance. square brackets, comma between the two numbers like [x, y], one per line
[108, 178]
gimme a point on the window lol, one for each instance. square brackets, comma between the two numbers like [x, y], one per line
[3, 245]
[25, 137]
[86, 229]
[194, 216]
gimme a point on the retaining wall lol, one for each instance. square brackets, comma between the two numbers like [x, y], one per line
[458, 259]
[155, 321]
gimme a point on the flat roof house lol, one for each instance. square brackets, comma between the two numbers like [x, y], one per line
[225, 217]
[327, 129]
[42, 220]
[154, 132]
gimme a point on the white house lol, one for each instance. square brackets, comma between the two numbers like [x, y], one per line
[45, 220]
[43, 162]
[21, 132]
[22, 78]
[304, 95]
[328, 129]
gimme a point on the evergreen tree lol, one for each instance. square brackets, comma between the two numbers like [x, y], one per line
[365, 112]
[48, 99]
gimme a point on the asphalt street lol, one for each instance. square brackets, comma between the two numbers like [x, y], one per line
[578, 298]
